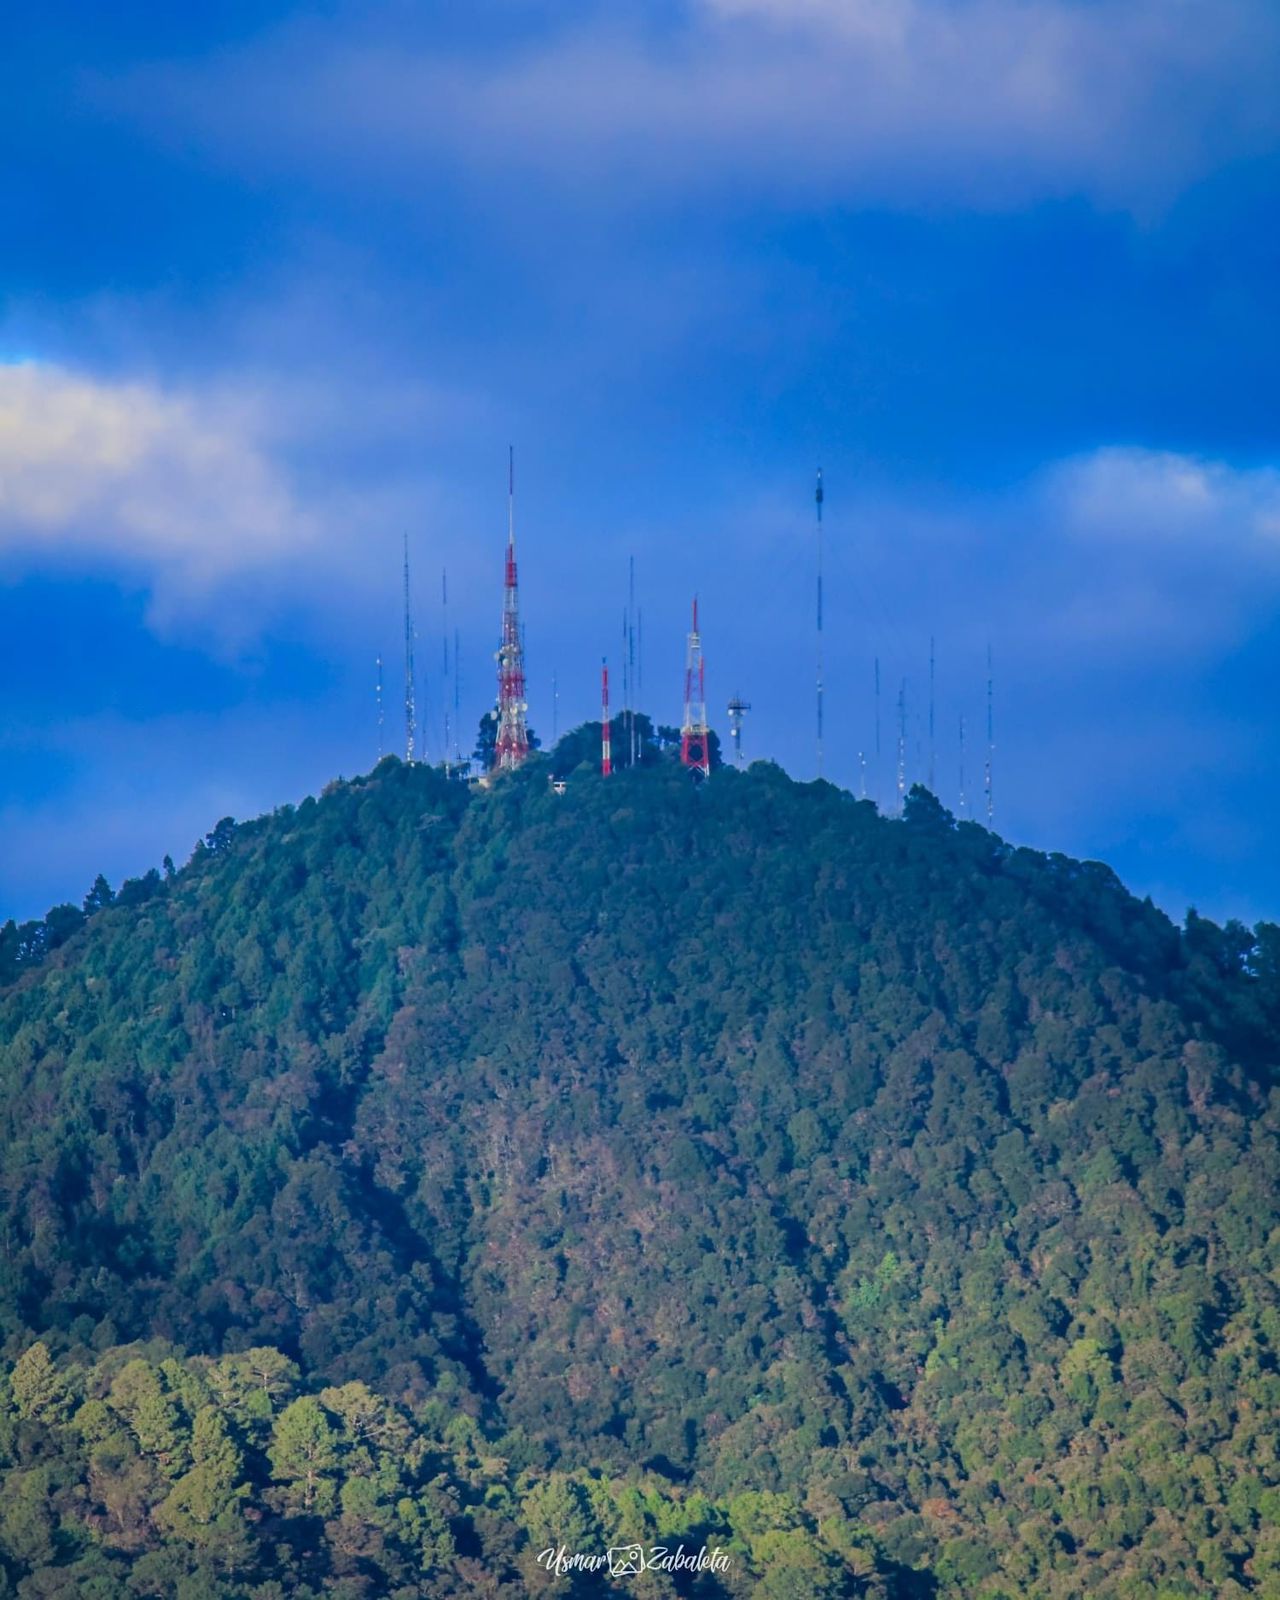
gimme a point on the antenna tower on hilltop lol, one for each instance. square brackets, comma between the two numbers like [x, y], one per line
[512, 742]
[606, 740]
[932, 786]
[410, 717]
[818, 497]
[991, 743]
[738, 707]
[444, 640]
[695, 746]
[963, 801]
[381, 724]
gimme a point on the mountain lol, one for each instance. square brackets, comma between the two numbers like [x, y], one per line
[425, 1176]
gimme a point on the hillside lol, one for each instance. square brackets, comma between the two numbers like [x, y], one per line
[893, 1206]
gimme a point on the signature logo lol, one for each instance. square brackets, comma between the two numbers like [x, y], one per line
[626, 1560]
[630, 1560]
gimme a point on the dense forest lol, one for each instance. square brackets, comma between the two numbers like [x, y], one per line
[429, 1175]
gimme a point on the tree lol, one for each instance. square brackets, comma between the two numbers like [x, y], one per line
[99, 897]
[304, 1456]
[40, 1391]
[485, 751]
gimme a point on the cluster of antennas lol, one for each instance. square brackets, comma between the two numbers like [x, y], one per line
[511, 741]
[510, 730]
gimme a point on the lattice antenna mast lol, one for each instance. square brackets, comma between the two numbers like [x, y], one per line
[555, 708]
[932, 789]
[631, 658]
[512, 743]
[902, 744]
[695, 746]
[381, 717]
[606, 732]
[879, 775]
[738, 707]
[444, 640]
[991, 742]
[818, 498]
[457, 696]
[963, 801]
[410, 714]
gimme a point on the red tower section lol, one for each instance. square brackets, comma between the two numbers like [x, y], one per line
[695, 745]
[512, 743]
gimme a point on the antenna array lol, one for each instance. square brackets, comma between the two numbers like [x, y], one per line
[410, 716]
[695, 748]
[818, 498]
[511, 746]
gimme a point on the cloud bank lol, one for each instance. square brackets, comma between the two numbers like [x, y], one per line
[176, 487]
[901, 102]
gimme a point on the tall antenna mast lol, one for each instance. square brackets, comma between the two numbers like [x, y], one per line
[902, 744]
[817, 497]
[457, 696]
[631, 655]
[606, 733]
[991, 742]
[879, 775]
[555, 708]
[512, 742]
[931, 700]
[626, 676]
[444, 640]
[963, 802]
[410, 716]
[695, 747]
[738, 707]
[380, 714]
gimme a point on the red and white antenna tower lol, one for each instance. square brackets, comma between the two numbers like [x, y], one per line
[606, 743]
[512, 742]
[695, 746]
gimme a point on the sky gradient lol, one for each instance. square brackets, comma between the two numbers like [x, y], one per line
[280, 285]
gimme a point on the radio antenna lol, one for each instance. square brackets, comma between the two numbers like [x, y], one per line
[380, 713]
[963, 802]
[818, 498]
[931, 702]
[991, 741]
[410, 716]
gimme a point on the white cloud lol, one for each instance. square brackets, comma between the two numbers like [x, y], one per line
[1156, 497]
[987, 102]
[129, 475]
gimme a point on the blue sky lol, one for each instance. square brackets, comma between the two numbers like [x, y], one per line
[279, 285]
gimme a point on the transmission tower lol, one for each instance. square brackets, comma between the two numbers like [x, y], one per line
[512, 742]
[738, 707]
[991, 742]
[963, 801]
[444, 640]
[410, 716]
[606, 733]
[817, 497]
[695, 747]
[381, 720]
[932, 789]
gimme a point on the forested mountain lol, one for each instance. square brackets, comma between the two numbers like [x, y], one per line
[424, 1176]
